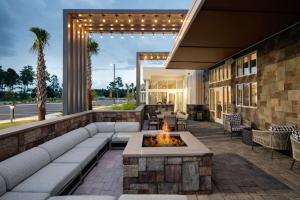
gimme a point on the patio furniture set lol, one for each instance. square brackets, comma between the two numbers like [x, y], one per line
[58, 166]
[175, 120]
[283, 138]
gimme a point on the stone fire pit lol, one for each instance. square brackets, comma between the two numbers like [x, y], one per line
[167, 170]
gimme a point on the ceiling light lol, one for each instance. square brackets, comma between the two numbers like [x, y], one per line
[155, 20]
[129, 19]
[143, 20]
[169, 20]
[116, 20]
[103, 20]
[79, 25]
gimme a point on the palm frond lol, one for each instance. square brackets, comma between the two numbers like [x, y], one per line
[41, 39]
[93, 47]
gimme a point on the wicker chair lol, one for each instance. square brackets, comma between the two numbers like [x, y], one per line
[295, 150]
[272, 140]
[152, 122]
[233, 124]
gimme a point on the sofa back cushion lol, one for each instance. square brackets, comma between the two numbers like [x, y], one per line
[282, 129]
[78, 135]
[127, 127]
[105, 127]
[296, 135]
[17, 168]
[92, 129]
[58, 146]
[2, 186]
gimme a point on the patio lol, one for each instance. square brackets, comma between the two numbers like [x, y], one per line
[238, 172]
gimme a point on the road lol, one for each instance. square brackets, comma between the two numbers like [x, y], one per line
[27, 110]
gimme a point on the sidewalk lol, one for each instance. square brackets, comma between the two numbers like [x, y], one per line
[33, 118]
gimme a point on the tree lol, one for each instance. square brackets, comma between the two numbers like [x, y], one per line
[92, 49]
[40, 41]
[11, 78]
[54, 85]
[2, 79]
[119, 84]
[26, 77]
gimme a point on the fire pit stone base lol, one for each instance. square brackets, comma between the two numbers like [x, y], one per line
[167, 170]
[167, 175]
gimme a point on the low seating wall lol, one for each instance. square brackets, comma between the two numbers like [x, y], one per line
[50, 168]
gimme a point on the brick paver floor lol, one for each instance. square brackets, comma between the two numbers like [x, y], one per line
[238, 172]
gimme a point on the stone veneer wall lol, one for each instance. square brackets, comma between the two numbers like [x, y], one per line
[278, 79]
[18, 139]
[167, 175]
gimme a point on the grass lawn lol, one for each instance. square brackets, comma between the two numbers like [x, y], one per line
[124, 106]
[17, 123]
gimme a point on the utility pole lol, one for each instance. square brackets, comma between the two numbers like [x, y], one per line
[114, 89]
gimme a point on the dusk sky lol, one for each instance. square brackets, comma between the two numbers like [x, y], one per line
[17, 16]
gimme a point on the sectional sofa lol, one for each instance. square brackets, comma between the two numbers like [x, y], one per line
[60, 164]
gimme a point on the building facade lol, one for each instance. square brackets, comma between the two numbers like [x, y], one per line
[178, 87]
[262, 82]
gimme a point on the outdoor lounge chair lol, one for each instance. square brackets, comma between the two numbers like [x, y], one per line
[295, 147]
[275, 139]
[182, 121]
[233, 124]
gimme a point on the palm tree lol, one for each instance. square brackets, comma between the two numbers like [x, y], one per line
[93, 49]
[40, 41]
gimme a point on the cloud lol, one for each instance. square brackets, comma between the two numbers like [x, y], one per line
[6, 33]
[87, 3]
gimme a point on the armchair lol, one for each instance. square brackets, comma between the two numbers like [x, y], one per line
[295, 147]
[274, 140]
[233, 124]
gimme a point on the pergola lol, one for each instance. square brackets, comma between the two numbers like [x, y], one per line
[142, 56]
[80, 23]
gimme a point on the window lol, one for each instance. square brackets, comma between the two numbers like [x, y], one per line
[179, 84]
[153, 85]
[211, 99]
[226, 99]
[171, 84]
[253, 63]
[220, 73]
[239, 94]
[254, 94]
[246, 68]
[239, 67]
[246, 65]
[246, 94]
[162, 84]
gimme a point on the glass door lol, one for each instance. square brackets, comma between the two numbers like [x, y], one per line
[219, 105]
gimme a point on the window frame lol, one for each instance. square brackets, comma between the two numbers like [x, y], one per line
[242, 65]
[250, 95]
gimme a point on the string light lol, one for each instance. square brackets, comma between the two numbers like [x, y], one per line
[90, 20]
[116, 20]
[79, 25]
[181, 20]
[103, 20]
[143, 20]
[169, 20]
[69, 25]
[155, 20]
[129, 19]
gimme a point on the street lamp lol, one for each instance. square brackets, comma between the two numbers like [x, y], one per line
[12, 112]
[114, 86]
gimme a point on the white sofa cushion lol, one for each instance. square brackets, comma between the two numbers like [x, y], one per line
[82, 197]
[105, 135]
[78, 135]
[127, 127]
[105, 127]
[58, 146]
[2, 186]
[19, 167]
[81, 156]
[51, 179]
[122, 136]
[97, 143]
[24, 196]
[152, 197]
[92, 129]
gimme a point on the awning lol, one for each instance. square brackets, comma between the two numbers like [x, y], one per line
[217, 29]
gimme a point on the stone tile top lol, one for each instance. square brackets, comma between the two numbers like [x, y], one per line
[194, 146]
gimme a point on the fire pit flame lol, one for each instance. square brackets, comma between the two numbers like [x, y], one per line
[163, 139]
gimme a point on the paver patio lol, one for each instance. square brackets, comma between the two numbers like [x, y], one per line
[238, 172]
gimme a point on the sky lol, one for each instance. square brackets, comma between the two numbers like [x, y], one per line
[17, 16]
